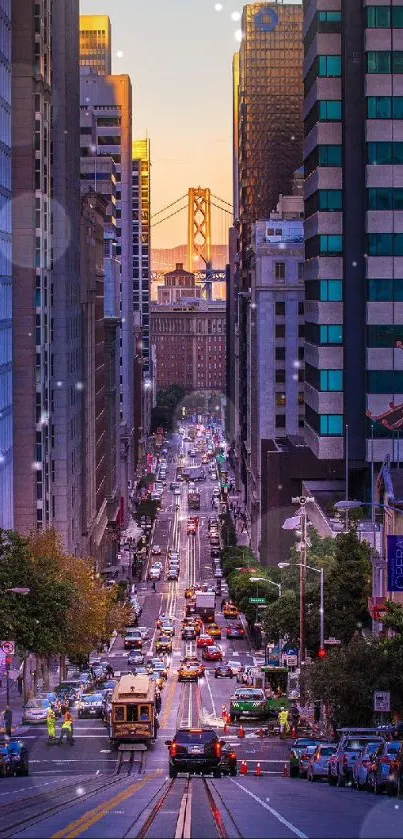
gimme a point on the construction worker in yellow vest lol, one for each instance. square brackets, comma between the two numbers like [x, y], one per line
[51, 722]
[67, 728]
[283, 722]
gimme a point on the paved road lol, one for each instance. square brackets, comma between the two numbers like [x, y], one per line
[74, 792]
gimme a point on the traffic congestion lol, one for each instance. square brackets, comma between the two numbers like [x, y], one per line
[180, 706]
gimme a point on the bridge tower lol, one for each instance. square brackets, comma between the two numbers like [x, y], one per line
[199, 226]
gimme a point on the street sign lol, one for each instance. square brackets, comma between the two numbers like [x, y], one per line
[331, 642]
[291, 660]
[257, 600]
[382, 701]
[8, 647]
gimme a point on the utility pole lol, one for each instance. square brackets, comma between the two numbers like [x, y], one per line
[302, 578]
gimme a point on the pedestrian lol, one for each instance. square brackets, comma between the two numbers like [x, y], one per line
[67, 728]
[153, 586]
[20, 682]
[51, 723]
[8, 720]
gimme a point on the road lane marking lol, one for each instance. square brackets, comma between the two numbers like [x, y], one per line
[91, 817]
[271, 810]
[210, 693]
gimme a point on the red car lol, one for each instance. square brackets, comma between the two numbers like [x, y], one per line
[235, 630]
[205, 641]
[212, 653]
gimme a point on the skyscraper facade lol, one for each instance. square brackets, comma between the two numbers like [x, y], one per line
[268, 100]
[95, 43]
[46, 291]
[354, 245]
[141, 175]
[107, 100]
[6, 354]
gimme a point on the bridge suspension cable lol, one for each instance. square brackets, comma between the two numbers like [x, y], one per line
[155, 223]
[168, 206]
[222, 200]
[223, 210]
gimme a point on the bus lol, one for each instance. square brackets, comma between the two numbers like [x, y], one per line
[133, 717]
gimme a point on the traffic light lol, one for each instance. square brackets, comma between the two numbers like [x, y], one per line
[322, 653]
[9, 660]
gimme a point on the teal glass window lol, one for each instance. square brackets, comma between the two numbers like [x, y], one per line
[385, 290]
[397, 17]
[384, 336]
[331, 334]
[330, 110]
[331, 291]
[379, 62]
[330, 200]
[330, 245]
[380, 244]
[385, 381]
[331, 425]
[331, 380]
[329, 66]
[380, 198]
[330, 17]
[330, 156]
[379, 154]
[378, 17]
[397, 106]
[397, 61]
[379, 107]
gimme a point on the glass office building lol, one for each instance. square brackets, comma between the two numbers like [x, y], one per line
[6, 353]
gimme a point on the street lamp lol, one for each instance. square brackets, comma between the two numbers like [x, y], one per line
[299, 523]
[322, 597]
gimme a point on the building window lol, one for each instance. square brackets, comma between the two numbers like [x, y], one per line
[301, 270]
[301, 308]
[331, 425]
[330, 155]
[330, 200]
[384, 154]
[385, 290]
[385, 244]
[279, 270]
[329, 17]
[280, 377]
[280, 420]
[329, 66]
[330, 110]
[280, 309]
[385, 381]
[330, 245]
[281, 400]
[383, 336]
[385, 107]
[280, 353]
[385, 61]
[384, 17]
[331, 380]
[330, 333]
[280, 330]
[383, 198]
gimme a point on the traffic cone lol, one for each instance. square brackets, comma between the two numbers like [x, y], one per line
[258, 770]
[224, 712]
[286, 771]
[225, 727]
[244, 768]
[293, 732]
[261, 732]
[241, 732]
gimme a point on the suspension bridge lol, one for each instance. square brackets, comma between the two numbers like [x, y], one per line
[197, 203]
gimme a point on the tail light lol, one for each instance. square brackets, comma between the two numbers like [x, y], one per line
[317, 759]
[385, 760]
[218, 749]
[232, 755]
[174, 750]
[304, 757]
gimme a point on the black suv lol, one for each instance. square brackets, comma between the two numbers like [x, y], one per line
[195, 750]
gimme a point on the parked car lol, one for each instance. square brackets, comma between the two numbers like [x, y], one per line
[379, 770]
[195, 750]
[35, 711]
[319, 761]
[362, 764]
[297, 748]
[341, 763]
[395, 778]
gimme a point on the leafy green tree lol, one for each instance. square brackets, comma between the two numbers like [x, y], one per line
[281, 618]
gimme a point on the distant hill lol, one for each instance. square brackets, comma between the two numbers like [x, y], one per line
[165, 259]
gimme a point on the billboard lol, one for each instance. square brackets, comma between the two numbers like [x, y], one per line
[395, 563]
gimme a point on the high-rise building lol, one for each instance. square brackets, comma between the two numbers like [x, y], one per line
[141, 175]
[6, 356]
[46, 293]
[96, 43]
[275, 347]
[353, 242]
[267, 148]
[107, 100]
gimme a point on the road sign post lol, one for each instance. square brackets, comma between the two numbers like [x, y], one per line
[382, 701]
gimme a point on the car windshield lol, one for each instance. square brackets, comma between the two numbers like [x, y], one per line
[393, 748]
[355, 745]
[195, 737]
[164, 639]
[38, 703]
[327, 750]
[91, 697]
[301, 743]
[249, 695]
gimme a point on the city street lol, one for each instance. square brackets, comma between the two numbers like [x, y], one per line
[73, 792]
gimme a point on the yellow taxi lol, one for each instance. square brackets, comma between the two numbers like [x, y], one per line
[190, 592]
[230, 611]
[213, 630]
[188, 670]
